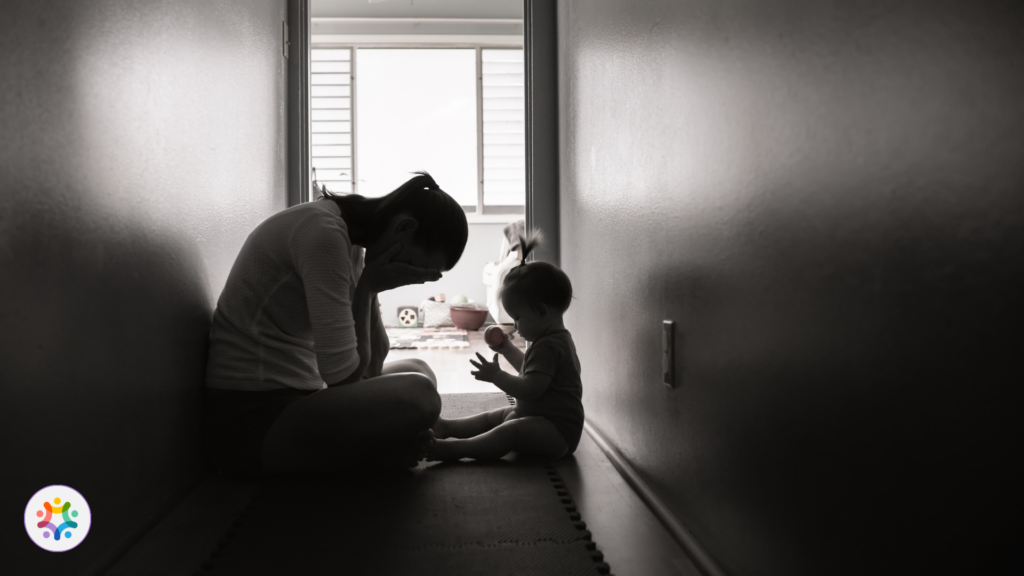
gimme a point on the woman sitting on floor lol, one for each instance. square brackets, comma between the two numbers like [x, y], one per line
[296, 380]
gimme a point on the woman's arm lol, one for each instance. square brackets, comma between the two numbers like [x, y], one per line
[362, 307]
[380, 344]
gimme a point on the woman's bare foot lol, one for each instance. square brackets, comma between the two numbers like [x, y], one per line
[443, 450]
[426, 440]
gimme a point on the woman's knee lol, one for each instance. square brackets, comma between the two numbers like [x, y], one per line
[424, 368]
[412, 365]
[422, 397]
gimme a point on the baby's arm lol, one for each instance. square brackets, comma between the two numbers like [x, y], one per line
[527, 387]
[511, 352]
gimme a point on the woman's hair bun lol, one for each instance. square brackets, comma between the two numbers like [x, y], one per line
[528, 242]
[428, 180]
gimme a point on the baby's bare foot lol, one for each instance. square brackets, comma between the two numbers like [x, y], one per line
[442, 450]
[440, 429]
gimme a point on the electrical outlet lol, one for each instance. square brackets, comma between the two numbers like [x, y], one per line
[668, 346]
[284, 38]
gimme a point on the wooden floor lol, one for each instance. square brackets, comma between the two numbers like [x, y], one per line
[452, 367]
[633, 540]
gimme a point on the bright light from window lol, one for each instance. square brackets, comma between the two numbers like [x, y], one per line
[416, 110]
[504, 128]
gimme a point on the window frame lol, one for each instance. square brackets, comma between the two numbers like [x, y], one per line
[482, 213]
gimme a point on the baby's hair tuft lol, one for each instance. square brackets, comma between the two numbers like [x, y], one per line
[528, 242]
[536, 282]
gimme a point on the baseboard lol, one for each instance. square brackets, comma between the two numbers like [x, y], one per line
[700, 558]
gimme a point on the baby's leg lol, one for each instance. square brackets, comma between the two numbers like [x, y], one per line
[530, 435]
[472, 425]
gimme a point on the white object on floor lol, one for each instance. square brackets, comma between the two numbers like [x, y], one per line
[495, 272]
[442, 344]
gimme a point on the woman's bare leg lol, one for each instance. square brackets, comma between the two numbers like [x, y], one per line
[409, 365]
[343, 425]
[530, 435]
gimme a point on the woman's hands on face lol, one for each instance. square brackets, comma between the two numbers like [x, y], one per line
[381, 274]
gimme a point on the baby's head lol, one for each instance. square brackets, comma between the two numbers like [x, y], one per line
[535, 294]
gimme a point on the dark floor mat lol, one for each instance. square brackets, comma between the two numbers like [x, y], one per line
[511, 516]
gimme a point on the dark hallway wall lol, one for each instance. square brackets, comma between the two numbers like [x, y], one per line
[828, 199]
[141, 143]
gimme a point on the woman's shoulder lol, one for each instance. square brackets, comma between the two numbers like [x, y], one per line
[302, 226]
[324, 215]
[315, 209]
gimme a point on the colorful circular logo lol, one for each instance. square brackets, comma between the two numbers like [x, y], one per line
[57, 518]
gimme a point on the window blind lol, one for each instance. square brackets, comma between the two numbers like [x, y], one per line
[504, 128]
[331, 117]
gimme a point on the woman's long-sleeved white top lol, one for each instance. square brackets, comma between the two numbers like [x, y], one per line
[284, 318]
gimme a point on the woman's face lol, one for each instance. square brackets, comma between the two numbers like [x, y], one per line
[417, 256]
[401, 231]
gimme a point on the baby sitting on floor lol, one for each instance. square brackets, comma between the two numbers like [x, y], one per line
[547, 420]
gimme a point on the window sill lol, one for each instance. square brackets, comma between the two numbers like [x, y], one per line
[494, 218]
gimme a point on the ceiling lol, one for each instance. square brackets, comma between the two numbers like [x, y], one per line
[417, 9]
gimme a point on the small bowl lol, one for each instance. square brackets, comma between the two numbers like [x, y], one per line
[468, 317]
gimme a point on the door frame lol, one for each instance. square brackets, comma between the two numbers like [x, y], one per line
[540, 54]
[297, 102]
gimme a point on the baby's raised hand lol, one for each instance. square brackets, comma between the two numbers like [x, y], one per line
[486, 371]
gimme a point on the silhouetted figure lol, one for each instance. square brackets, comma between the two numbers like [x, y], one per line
[547, 420]
[296, 379]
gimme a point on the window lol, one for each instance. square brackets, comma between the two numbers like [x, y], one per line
[378, 114]
[330, 115]
[503, 130]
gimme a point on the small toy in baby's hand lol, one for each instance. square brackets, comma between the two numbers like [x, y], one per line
[494, 336]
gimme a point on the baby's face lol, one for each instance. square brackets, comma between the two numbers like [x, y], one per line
[529, 324]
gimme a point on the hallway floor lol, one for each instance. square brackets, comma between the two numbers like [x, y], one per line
[633, 540]
[199, 531]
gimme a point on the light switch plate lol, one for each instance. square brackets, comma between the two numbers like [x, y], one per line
[668, 346]
[284, 38]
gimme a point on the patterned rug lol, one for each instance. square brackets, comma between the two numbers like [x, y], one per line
[410, 338]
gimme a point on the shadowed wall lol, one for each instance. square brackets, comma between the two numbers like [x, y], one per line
[141, 144]
[827, 198]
